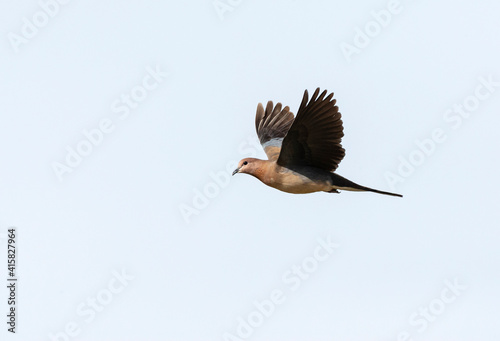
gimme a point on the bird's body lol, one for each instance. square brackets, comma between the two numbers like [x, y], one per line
[298, 180]
[302, 152]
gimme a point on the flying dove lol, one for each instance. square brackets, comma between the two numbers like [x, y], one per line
[304, 152]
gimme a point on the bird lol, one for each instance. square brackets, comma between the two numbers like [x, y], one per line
[304, 151]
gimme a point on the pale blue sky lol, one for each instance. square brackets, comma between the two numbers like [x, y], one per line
[173, 88]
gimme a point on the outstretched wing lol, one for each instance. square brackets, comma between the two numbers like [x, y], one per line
[315, 135]
[272, 125]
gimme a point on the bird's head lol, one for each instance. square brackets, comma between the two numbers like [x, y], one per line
[246, 165]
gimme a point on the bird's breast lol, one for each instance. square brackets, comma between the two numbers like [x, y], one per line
[300, 180]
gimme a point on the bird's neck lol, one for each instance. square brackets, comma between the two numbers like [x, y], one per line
[260, 169]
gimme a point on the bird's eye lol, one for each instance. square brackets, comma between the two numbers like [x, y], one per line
[245, 163]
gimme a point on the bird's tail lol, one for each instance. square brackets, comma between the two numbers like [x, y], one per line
[342, 183]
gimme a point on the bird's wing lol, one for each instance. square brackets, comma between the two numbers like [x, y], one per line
[315, 135]
[272, 125]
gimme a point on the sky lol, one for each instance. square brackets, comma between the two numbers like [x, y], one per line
[121, 122]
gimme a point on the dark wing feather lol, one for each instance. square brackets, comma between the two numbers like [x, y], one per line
[315, 135]
[272, 125]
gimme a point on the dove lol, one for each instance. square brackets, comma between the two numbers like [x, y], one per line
[304, 151]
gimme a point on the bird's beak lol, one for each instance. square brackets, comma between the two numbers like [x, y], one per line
[236, 170]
